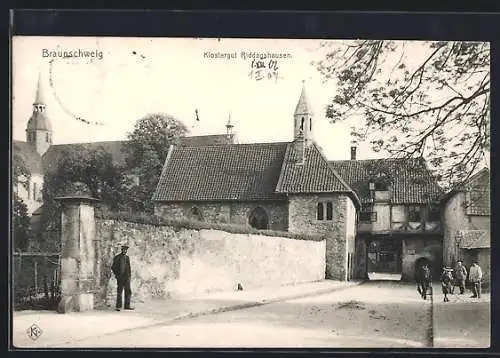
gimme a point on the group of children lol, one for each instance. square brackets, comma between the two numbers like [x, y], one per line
[451, 278]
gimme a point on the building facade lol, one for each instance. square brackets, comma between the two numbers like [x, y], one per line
[280, 186]
[399, 224]
[466, 214]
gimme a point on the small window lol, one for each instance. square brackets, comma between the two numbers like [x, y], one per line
[302, 124]
[34, 191]
[310, 124]
[414, 214]
[329, 211]
[368, 216]
[47, 137]
[320, 211]
[380, 186]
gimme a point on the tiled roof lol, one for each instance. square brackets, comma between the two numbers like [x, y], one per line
[478, 188]
[474, 239]
[29, 155]
[221, 172]
[54, 154]
[204, 140]
[116, 149]
[315, 175]
[410, 179]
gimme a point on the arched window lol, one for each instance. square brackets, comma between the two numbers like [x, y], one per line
[310, 124]
[320, 215]
[302, 124]
[47, 138]
[258, 219]
[329, 211]
[195, 214]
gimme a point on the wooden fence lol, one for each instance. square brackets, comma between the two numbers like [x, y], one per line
[36, 280]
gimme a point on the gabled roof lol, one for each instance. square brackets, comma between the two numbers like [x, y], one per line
[478, 189]
[116, 149]
[204, 140]
[54, 154]
[221, 172]
[315, 175]
[474, 239]
[411, 181]
[29, 155]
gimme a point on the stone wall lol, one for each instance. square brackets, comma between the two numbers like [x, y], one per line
[416, 247]
[228, 213]
[168, 263]
[303, 220]
[454, 220]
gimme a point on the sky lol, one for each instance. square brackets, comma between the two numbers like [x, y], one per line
[130, 78]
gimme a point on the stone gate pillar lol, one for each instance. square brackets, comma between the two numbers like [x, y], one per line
[78, 232]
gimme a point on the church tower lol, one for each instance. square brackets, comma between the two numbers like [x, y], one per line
[39, 129]
[303, 118]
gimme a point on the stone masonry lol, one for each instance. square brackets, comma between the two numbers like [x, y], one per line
[228, 213]
[303, 220]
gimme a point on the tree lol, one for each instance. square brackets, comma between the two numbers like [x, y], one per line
[20, 218]
[415, 99]
[93, 167]
[146, 150]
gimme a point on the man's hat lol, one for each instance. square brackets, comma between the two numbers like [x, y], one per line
[125, 246]
[462, 261]
[448, 269]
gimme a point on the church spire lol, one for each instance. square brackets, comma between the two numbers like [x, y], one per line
[39, 129]
[303, 106]
[229, 129]
[303, 118]
[40, 92]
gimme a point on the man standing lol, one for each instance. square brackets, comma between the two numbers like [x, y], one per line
[122, 272]
[461, 276]
[475, 277]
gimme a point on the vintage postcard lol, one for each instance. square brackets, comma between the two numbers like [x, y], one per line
[250, 193]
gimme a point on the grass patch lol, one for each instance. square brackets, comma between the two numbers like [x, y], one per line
[179, 224]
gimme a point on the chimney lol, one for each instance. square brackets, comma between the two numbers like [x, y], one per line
[353, 153]
[299, 148]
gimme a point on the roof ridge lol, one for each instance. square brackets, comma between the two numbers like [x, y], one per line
[282, 169]
[165, 164]
[335, 173]
[232, 144]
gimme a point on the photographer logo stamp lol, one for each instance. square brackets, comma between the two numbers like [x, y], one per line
[34, 332]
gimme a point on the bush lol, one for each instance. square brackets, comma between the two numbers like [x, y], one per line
[149, 219]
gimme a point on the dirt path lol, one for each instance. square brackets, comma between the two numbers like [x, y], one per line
[375, 314]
